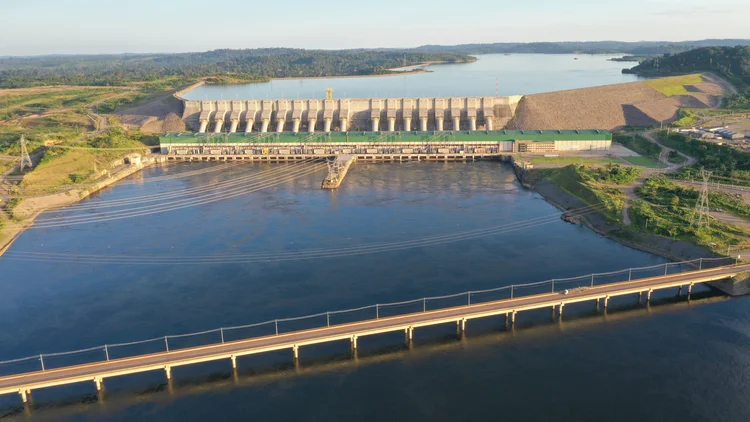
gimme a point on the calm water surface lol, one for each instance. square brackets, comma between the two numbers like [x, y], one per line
[672, 362]
[507, 75]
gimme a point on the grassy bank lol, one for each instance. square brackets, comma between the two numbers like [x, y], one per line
[592, 185]
[675, 85]
[65, 166]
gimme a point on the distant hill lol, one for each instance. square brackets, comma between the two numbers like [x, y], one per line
[732, 63]
[583, 47]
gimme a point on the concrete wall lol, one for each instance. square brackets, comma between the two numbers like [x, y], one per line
[582, 145]
[352, 114]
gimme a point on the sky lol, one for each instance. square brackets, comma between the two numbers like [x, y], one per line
[34, 27]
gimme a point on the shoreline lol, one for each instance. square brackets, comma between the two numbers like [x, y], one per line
[31, 211]
[675, 250]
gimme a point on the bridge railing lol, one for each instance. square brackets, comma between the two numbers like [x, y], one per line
[220, 335]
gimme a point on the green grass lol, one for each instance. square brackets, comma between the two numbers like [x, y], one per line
[572, 179]
[566, 161]
[62, 168]
[643, 162]
[674, 85]
[687, 119]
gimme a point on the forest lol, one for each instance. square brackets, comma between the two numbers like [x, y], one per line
[732, 63]
[582, 47]
[238, 65]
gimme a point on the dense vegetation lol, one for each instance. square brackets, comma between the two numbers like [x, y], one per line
[732, 63]
[234, 65]
[675, 157]
[611, 174]
[640, 48]
[667, 210]
[721, 159]
[638, 144]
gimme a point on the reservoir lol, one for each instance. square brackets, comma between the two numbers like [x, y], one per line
[491, 74]
[672, 361]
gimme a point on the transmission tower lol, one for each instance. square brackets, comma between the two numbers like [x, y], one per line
[25, 158]
[700, 214]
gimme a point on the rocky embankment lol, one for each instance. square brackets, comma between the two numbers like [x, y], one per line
[613, 106]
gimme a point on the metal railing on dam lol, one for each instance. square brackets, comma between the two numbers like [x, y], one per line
[380, 318]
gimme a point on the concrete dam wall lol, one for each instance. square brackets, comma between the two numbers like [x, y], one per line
[350, 114]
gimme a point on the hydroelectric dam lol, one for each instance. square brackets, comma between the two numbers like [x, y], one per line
[365, 130]
[350, 114]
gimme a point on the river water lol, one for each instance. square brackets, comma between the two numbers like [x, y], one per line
[673, 361]
[517, 74]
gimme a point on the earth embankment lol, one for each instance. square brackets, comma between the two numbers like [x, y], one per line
[643, 103]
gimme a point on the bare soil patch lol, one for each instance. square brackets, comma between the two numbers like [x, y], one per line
[151, 116]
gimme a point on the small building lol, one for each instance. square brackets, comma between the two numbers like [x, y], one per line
[134, 159]
[728, 134]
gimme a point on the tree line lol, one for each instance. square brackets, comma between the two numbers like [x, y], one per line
[242, 65]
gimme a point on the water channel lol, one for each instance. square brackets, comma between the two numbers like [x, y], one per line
[673, 361]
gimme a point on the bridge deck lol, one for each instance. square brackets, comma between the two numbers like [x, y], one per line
[96, 371]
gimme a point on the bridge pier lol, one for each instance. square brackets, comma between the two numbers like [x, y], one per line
[606, 301]
[560, 312]
[168, 370]
[409, 333]
[354, 342]
[98, 382]
[679, 291]
[234, 362]
[24, 395]
[640, 296]
[597, 304]
[295, 351]
[513, 318]
[648, 296]
[690, 289]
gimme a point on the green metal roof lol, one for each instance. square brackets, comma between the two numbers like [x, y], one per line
[393, 137]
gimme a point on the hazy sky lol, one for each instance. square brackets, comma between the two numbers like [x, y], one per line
[30, 27]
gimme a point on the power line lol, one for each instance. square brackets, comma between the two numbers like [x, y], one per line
[320, 253]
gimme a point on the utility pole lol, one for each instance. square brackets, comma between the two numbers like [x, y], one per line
[700, 213]
[25, 158]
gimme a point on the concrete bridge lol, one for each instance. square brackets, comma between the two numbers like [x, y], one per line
[350, 114]
[24, 383]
